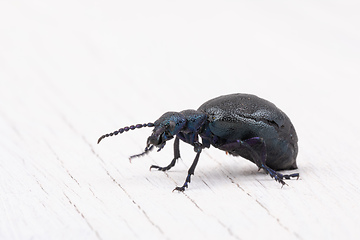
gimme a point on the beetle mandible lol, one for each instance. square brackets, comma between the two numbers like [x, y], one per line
[239, 124]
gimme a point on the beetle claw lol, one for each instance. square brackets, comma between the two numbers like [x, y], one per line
[279, 177]
[158, 168]
[180, 189]
[168, 167]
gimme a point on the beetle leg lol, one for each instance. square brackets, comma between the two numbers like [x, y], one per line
[259, 156]
[260, 160]
[176, 156]
[198, 147]
[147, 150]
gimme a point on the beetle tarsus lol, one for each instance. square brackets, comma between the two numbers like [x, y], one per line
[279, 177]
[168, 167]
[182, 189]
[146, 151]
[173, 162]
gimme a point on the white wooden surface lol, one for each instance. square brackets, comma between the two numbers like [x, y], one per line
[71, 71]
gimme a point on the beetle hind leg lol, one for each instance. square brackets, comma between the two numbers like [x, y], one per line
[256, 148]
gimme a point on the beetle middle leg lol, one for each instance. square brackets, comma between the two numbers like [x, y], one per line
[198, 148]
[259, 156]
[173, 162]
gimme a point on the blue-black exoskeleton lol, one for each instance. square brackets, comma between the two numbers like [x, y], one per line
[239, 124]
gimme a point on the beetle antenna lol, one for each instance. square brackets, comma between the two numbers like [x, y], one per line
[125, 129]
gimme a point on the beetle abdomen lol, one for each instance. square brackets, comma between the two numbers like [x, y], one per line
[243, 116]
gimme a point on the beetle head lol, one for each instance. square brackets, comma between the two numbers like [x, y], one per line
[165, 128]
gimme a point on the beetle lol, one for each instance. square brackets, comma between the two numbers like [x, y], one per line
[239, 124]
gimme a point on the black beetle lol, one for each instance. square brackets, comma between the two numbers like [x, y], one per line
[239, 124]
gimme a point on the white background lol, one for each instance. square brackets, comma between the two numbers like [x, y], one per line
[71, 71]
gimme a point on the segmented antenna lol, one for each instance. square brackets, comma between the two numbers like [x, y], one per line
[125, 129]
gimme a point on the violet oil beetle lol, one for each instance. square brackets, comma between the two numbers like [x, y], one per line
[239, 124]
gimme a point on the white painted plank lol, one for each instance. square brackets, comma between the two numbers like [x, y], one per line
[72, 71]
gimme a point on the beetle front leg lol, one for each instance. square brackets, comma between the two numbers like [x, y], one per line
[146, 151]
[173, 162]
[197, 147]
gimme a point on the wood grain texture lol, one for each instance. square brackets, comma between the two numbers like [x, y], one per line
[72, 71]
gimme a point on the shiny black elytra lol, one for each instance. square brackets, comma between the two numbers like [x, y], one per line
[239, 124]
